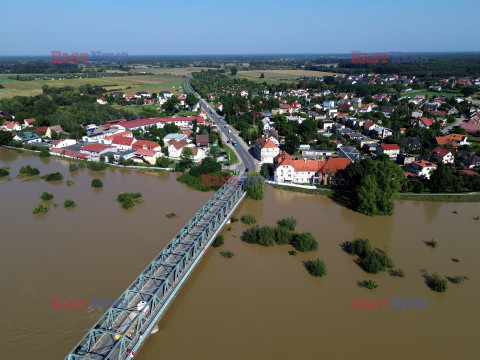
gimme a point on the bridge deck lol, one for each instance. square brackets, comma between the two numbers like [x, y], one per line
[158, 284]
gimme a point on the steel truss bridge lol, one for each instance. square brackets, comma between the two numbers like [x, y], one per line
[158, 284]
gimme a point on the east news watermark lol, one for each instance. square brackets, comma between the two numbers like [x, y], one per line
[59, 57]
[392, 303]
[394, 57]
[93, 303]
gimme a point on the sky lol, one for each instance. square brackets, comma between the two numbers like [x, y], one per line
[193, 27]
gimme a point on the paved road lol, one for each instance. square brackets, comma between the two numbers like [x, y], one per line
[457, 122]
[247, 161]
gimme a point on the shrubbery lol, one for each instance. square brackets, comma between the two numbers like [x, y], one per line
[96, 165]
[316, 267]
[4, 171]
[304, 242]
[283, 236]
[435, 283]
[219, 240]
[254, 186]
[372, 261]
[40, 208]
[29, 170]
[264, 236]
[128, 199]
[69, 204]
[76, 166]
[97, 183]
[44, 152]
[248, 219]
[53, 177]
[289, 223]
[46, 196]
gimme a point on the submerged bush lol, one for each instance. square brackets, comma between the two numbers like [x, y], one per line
[304, 242]
[46, 196]
[69, 204]
[432, 243]
[76, 166]
[4, 171]
[248, 219]
[316, 267]
[219, 240]
[360, 247]
[397, 272]
[40, 208]
[29, 170]
[226, 254]
[128, 199]
[97, 183]
[53, 177]
[289, 223]
[435, 283]
[96, 166]
[264, 236]
[283, 236]
[368, 284]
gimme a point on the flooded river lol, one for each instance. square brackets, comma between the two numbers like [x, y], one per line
[261, 304]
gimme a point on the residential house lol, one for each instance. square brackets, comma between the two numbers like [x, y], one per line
[28, 122]
[28, 137]
[411, 143]
[123, 142]
[349, 152]
[421, 168]
[454, 140]
[425, 122]
[288, 170]
[442, 155]
[57, 128]
[219, 107]
[175, 137]
[175, 148]
[146, 145]
[63, 143]
[11, 126]
[266, 150]
[202, 140]
[417, 114]
[146, 156]
[391, 150]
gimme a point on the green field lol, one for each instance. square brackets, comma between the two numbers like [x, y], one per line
[278, 76]
[412, 94]
[128, 84]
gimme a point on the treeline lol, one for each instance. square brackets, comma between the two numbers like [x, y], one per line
[38, 67]
[438, 65]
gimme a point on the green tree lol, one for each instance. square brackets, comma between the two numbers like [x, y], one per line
[264, 171]
[97, 183]
[5, 137]
[44, 152]
[262, 76]
[191, 100]
[289, 223]
[316, 267]
[304, 242]
[442, 180]
[163, 162]
[254, 186]
[292, 142]
[233, 71]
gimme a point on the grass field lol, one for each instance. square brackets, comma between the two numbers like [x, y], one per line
[278, 76]
[155, 83]
[412, 94]
[136, 109]
[184, 71]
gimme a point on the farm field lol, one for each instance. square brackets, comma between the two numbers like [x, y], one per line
[277, 76]
[183, 71]
[127, 84]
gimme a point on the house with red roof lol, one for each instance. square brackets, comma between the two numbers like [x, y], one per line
[442, 155]
[421, 168]
[425, 122]
[11, 126]
[288, 170]
[41, 129]
[266, 149]
[146, 145]
[146, 156]
[95, 150]
[368, 126]
[391, 150]
[123, 142]
[28, 122]
[454, 140]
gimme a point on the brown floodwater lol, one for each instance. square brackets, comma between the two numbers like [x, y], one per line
[262, 303]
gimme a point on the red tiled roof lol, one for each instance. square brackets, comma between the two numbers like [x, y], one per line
[265, 142]
[97, 148]
[424, 163]
[333, 165]
[387, 147]
[143, 152]
[427, 121]
[41, 129]
[440, 152]
[122, 140]
[145, 143]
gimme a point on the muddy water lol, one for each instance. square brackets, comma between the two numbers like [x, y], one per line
[261, 304]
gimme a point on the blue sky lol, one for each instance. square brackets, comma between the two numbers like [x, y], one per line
[194, 27]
